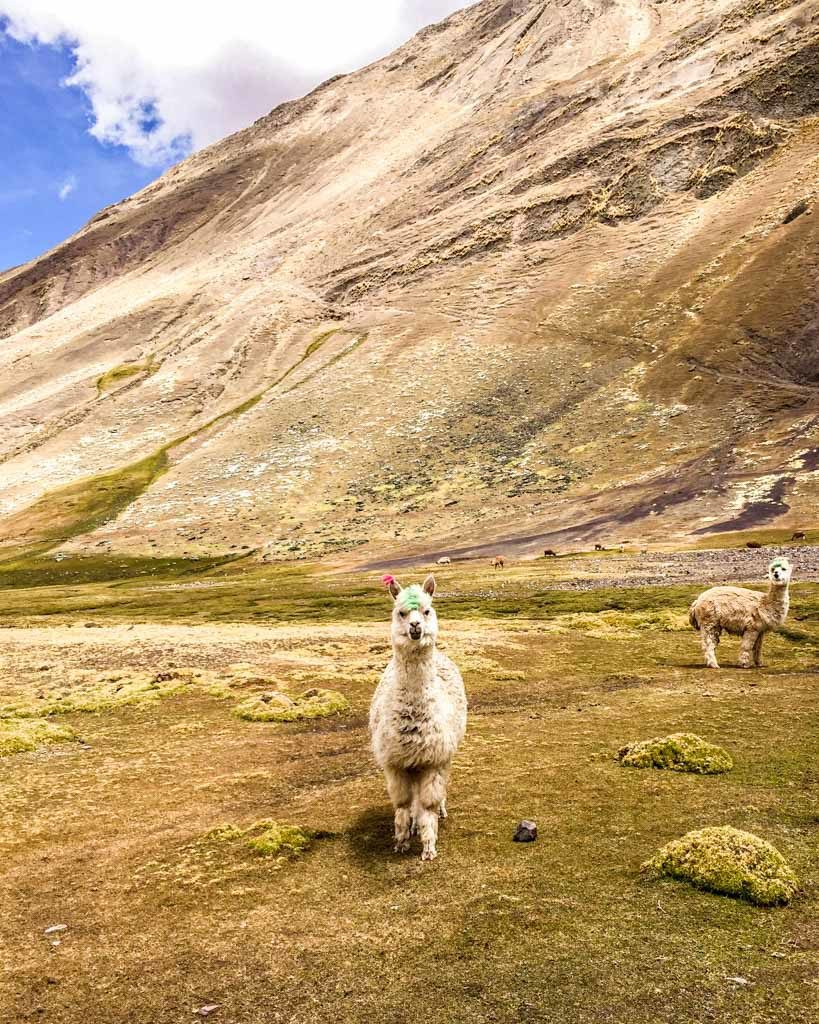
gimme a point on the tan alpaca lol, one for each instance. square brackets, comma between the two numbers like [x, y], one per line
[741, 612]
[417, 718]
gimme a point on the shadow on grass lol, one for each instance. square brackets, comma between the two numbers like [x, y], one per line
[370, 837]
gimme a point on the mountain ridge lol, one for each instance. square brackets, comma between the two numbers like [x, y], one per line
[524, 280]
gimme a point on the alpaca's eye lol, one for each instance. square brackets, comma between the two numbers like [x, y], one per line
[426, 611]
[403, 615]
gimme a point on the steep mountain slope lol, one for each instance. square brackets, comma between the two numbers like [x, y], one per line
[548, 273]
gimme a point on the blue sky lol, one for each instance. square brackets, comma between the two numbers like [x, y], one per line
[46, 151]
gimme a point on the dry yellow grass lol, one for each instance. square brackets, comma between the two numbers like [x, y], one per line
[491, 926]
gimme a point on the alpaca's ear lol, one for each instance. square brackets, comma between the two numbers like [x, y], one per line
[429, 584]
[392, 584]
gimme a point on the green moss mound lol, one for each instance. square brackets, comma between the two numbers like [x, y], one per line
[274, 840]
[19, 735]
[728, 861]
[679, 752]
[108, 691]
[267, 838]
[275, 706]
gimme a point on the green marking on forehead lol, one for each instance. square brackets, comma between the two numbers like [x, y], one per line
[412, 598]
[779, 563]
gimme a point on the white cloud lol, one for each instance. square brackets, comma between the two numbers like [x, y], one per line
[167, 76]
[68, 186]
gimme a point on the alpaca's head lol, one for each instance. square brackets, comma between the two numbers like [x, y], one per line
[414, 623]
[779, 571]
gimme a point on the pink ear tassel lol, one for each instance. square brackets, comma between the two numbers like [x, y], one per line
[387, 580]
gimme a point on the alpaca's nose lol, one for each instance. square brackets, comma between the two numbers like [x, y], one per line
[415, 630]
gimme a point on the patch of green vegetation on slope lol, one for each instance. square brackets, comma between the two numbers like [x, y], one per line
[86, 504]
[117, 374]
[79, 507]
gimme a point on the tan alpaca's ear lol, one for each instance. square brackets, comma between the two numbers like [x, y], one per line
[429, 584]
[394, 588]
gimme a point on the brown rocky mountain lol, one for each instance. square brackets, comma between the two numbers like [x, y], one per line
[545, 275]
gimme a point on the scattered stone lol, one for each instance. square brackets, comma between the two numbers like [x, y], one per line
[206, 1011]
[247, 675]
[55, 928]
[801, 207]
[526, 832]
[728, 861]
[679, 752]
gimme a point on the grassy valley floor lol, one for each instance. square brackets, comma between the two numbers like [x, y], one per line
[111, 831]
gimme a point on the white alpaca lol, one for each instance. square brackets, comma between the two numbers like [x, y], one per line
[417, 718]
[746, 613]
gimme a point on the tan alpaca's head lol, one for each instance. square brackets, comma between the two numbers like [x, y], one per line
[779, 571]
[414, 623]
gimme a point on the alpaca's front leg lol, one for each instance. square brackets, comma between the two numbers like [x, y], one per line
[709, 639]
[431, 792]
[399, 786]
[747, 648]
[758, 650]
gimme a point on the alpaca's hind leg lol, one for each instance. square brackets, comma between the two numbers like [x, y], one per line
[709, 639]
[442, 813]
[758, 650]
[430, 792]
[399, 786]
[747, 647]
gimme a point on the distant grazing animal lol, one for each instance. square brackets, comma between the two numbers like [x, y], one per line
[548, 553]
[799, 535]
[599, 547]
[497, 562]
[417, 717]
[444, 561]
[742, 612]
[753, 544]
